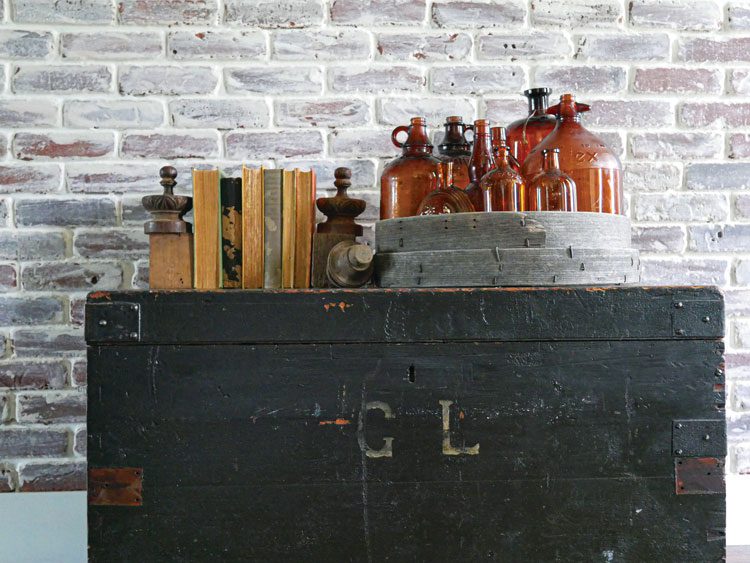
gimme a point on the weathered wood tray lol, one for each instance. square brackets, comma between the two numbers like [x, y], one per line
[505, 249]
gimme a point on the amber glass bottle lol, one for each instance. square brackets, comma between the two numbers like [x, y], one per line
[447, 198]
[503, 188]
[481, 162]
[500, 139]
[456, 149]
[525, 134]
[595, 169]
[551, 189]
[407, 179]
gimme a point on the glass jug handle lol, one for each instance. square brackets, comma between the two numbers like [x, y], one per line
[469, 127]
[396, 131]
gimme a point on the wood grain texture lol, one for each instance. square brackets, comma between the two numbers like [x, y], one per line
[288, 229]
[170, 261]
[305, 223]
[207, 224]
[252, 228]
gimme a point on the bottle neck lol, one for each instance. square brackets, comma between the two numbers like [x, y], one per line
[482, 151]
[417, 141]
[538, 104]
[551, 161]
[501, 157]
[454, 137]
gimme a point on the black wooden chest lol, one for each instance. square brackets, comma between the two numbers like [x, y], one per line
[577, 424]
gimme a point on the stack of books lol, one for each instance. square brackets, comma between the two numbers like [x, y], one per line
[253, 232]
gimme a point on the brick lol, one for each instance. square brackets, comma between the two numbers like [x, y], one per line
[7, 474]
[363, 171]
[277, 80]
[737, 302]
[77, 310]
[116, 177]
[322, 45]
[659, 239]
[682, 207]
[52, 276]
[504, 111]
[167, 80]
[718, 176]
[252, 145]
[620, 47]
[32, 442]
[170, 145]
[66, 144]
[742, 272]
[376, 79]
[740, 399]
[581, 13]
[167, 12]
[525, 46]
[38, 477]
[741, 333]
[738, 16]
[629, 113]
[719, 49]
[356, 142]
[715, 114]
[423, 46]
[20, 44]
[742, 207]
[8, 277]
[79, 442]
[678, 80]
[657, 146]
[28, 113]
[470, 14]
[698, 271]
[65, 212]
[133, 213]
[32, 245]
[219, 114]
[739, 80]
[583, 79]
[30, 311]
[477, 80]
[211, 45]
[4, 212]
[33, 375]
[741, 459]
[79, 373]
[738, 426]
[61, 79]
[274, 14]
[112, 243]
[696, 15]
[719, 238]
[69, 11]
[49, 342]
[140, 275]
[656, 176]
[111, 45]
[398, 111]
[378, 12]
[119, 114]
[326, 113]
[30, 178]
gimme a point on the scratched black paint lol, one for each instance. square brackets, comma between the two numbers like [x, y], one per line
[252, 441]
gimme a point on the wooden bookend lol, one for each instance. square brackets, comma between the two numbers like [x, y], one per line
[170, 236]
[339, 226]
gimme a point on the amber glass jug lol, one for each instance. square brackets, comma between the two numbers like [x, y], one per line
[456, 149]
[407, 179]
[446, 198]
[525, 134]
[481, 162]
[499, 139]
[503, 187]
[595, 169]
[551, 189]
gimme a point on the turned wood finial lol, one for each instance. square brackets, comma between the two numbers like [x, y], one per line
[341, 209]
[167, 209]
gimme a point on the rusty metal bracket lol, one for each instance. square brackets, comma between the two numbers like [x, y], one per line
[699, 476]
[695, 318]
[116, 486]
[699, 438]
[115, 321]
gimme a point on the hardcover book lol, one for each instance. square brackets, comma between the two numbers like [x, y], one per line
[272, 228]
[207, 226]
[231, 232]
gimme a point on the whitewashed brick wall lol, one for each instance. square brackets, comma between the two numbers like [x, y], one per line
[96, 95]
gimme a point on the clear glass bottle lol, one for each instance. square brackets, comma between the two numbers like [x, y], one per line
[503, 187]
[525, 134]
[595, 169]
[407, 179]
[551, 189]
[499, 139]
[456, 149]
[481, 162]
[446, 198]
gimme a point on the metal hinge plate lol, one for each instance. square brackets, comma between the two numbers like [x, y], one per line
[699, 476]
[695, 318]
[116, 486]
[116, 321]
[699, 438]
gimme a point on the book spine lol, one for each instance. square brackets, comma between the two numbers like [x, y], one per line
[288, 204]
[206, 218]
[231, 232]
[272, 229]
